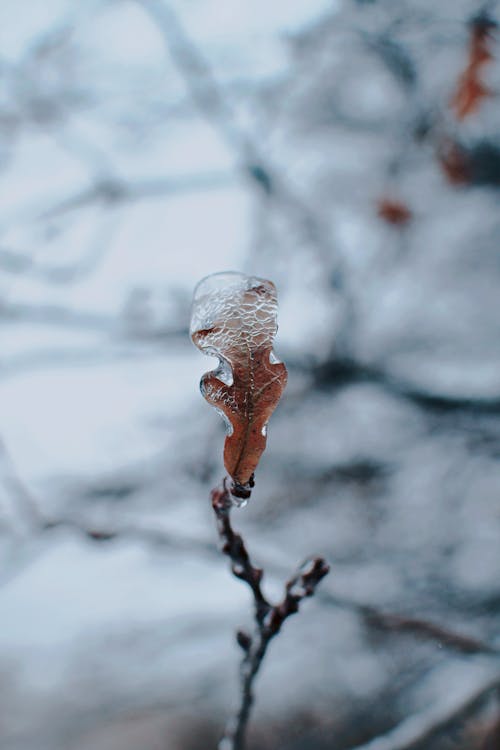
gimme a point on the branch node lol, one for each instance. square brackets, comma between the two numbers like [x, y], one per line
[244, 640]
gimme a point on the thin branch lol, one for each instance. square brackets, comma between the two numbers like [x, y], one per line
[427, 630]
[269, 618]
[419, 729]
[234, 547]
[269, 179]
[104, 193]
[50, 314]
[242, 568]
[212, 103]
[372, 617]
[114, 191]
[200, 81]
[339, 372]
[26, 504]
[160, 538]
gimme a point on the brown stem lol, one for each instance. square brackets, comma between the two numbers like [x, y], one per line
[269, 618]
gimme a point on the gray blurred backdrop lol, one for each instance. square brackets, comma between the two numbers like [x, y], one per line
[349, 150]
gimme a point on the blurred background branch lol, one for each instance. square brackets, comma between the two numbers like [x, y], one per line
[348, 151]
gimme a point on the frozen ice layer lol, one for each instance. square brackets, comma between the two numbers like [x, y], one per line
[234, 317]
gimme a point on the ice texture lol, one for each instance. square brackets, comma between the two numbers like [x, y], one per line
[234, 318]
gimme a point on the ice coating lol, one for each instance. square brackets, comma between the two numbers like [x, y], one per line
[234, 318]
[230, 306]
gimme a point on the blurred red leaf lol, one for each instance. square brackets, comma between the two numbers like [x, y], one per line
[471, 90]
[394, 212]
[455, 162]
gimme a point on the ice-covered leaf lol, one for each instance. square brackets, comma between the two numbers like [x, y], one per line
[234, 319]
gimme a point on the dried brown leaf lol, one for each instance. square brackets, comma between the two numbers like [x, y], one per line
[471, 89]
[234, 319]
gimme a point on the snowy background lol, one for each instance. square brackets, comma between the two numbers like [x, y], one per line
[143, 145]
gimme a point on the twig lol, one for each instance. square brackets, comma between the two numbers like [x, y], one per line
[104, 193]
[163, 539]
[242, 567]
[373, 618]
[339, 372]
[25, 503]
[269, 179]
[418, 730]
[427, 630]
[160, 538]
[269, 618]
[211, 101]
[113, 191]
